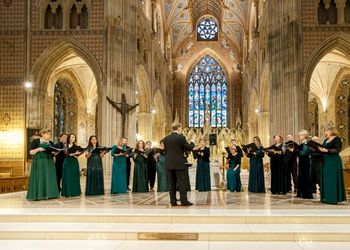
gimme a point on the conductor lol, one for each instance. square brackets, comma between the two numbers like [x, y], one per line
[175, 145]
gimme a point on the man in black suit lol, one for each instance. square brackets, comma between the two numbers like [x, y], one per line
[175, 146]
[60, 159]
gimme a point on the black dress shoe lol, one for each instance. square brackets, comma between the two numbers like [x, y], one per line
[173, 204]
[187, 204]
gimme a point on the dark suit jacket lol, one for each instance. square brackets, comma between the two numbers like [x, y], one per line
[175, 146]
[61, 155]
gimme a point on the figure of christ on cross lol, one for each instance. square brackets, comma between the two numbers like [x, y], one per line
[123, 108]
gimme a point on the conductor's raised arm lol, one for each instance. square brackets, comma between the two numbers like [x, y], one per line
[187, 146]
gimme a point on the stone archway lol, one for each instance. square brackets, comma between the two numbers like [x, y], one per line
[325, 81]
[144, 114]
[59, 59]
[339, 43]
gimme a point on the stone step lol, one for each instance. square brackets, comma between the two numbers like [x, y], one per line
[178, 216]
[154, 231]
[167, 245]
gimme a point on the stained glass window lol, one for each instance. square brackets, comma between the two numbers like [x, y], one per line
[60, 111]
[207, 29]
[207, 94]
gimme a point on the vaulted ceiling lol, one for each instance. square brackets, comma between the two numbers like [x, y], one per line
[181, 17]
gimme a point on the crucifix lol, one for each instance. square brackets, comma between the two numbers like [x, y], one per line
[123, 108]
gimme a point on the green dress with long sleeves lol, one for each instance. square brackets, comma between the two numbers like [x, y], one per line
[162, 177]
[42, 180]
[71, 177]
[256, 182]
[332, 179]
[140, 179]
[203, 181]
[118, 185]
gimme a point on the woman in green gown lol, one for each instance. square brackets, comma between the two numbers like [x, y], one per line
[203, 183]
[140, 178]
[94, 177]
[234, 170]
[70, 170]
[162, 177]
[332, 180]
[42, 180]
[118, 185]
[256, 182]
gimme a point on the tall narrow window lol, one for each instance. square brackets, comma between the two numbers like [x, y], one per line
[49, 18]
[59, 18]
[59, 111]
[73, 17]
[207, 94]
[322, 14]
[333, 13]
[207, 30]
[84, 18]
[347, 12]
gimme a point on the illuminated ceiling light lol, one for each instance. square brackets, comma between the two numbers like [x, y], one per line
[28, 85]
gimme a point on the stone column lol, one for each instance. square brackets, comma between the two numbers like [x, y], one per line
[158, 131]
[288, 111]
[145, 125]
[119, 65]
[264, 127]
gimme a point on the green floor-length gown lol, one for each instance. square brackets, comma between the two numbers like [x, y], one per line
[118, 185]
[42, 180]
[94, 177]
[140, 179]
[203, 182]
[332, 179]
[162, 177]
[256, 182]
[71, 177]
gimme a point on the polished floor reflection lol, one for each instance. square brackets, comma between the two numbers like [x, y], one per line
[213, 199]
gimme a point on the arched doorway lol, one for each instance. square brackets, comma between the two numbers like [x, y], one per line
[66, 91]
[326, 76]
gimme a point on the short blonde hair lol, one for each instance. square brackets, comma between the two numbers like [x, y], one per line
[332, 129]
[44, 131]
[304, 132]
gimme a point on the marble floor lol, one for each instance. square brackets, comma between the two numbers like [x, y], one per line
[223, 221]
[214, 199]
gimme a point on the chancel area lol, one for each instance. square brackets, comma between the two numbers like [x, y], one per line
[167, 124]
